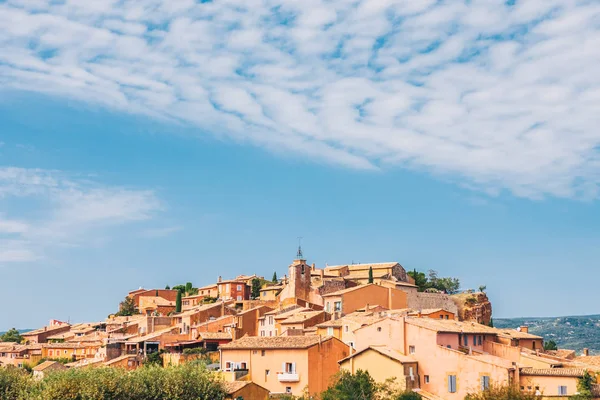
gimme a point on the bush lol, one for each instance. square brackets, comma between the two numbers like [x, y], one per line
[502, 393]
[147, 383]
[14, 383]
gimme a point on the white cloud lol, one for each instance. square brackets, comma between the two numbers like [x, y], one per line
[500, 97]
[70, 211]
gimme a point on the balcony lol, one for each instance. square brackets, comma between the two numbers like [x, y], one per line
[288, 377]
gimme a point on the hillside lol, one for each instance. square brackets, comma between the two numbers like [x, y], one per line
[576, 332]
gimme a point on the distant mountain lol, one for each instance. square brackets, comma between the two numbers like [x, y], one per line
[576, 333]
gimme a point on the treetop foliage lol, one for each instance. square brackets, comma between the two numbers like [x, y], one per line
[433, 281]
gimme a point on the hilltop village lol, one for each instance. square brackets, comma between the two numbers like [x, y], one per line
[291, 335]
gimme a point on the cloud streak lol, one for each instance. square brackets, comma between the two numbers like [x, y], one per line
[70, 211]
[499, 95]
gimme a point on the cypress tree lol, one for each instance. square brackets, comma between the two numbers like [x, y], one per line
[178, 302]
[370, 274]
[274, 280]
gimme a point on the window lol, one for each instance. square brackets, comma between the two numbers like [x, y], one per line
[411, 349]
[254, 351]
[466, 340]
[270, 320]
[411, 371]
[267, 372]
[451, 383]
[378, 329]
[345, 328]
[262, 333]
[337, 306]
[351, 344]
[562, 390]
[239, 298]
[290, 368]
[485, 382]
[426, 378]
[302, 271]
[239, 287]
[479, 340]
[441, 317]
[330, 331]
[328, 307]
[533, 345]
[447, 317]
[270, 333]
[262, 353]
[65, 352]
[264, 294]
[50, 352]
[288, 389]
[262, 322]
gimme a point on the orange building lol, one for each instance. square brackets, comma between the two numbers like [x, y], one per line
[351, 299]
[285, 364]
[72, 350]
[435, 313]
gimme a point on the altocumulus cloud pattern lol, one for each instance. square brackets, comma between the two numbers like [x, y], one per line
[503, 95]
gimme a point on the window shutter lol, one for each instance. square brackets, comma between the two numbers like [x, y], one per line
[283, 367]
[293, 368]
[449, 384]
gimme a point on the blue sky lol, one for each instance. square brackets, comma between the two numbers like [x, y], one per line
[164, 142]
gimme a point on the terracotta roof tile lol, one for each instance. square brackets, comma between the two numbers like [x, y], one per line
[451, 326]
[386, 351]
[301, 317]
[215, 335]
[572, 372]
[47, 364]
[275, 342]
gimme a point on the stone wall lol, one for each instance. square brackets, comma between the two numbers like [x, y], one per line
[420, 301]
[473, 307]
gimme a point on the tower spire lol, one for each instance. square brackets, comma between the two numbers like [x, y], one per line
[299, 255]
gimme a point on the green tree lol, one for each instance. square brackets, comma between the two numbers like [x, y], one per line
[12, 335]
[178, 302]
[370, 274]
[448, 285]
[180, 288]
[188, 287]
[509, 392]
[127, 308]
[550, 345]
[420, 280]
[347, 386]
[584, 387]
[256, 285]
[167, 287]
[482, 288]
[491, 324]
[274, 279]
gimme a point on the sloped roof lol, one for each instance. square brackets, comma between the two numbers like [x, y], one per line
[375, 266]
[215, 335]
[571, 372]
[48, 364]
[386, 351]
[232, 387]
[275, 342]
[451, 326]
[301, 317]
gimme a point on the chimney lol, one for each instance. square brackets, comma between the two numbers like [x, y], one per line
[313, 266]
[524, 329]
[586, 352]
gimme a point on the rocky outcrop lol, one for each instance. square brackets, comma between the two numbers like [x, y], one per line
[473, 307]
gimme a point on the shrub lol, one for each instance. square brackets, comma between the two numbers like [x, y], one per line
[502, 393]
[148, 383]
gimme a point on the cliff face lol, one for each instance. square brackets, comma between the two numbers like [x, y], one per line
[473, 307]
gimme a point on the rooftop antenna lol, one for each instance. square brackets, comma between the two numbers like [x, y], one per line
[299, 255]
